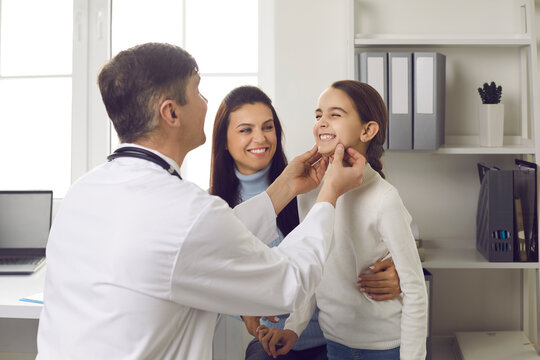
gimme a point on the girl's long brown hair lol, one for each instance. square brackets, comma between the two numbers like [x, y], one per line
[370, 107]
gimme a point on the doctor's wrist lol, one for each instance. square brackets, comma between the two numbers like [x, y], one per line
[328, 194]
[280, 193]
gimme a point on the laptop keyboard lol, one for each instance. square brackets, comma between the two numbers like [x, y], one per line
[20, 260]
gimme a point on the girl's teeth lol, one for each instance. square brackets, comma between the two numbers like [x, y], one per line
[326, 137]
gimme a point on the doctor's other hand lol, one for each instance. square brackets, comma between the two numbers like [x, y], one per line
[276, 341]
[251, 323]
[305, 172]
[345, 173]
[383, 281]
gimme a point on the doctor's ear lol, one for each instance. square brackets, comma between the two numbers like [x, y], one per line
[168, 111]
[369, 130]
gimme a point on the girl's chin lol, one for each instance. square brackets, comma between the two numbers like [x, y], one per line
[326, 150]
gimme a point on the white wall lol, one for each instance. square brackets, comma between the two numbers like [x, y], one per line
[312, 44]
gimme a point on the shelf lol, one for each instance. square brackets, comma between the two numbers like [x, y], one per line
[497, 345]
[511, 40]
[468, 145]
[467, 258]
[467, 149]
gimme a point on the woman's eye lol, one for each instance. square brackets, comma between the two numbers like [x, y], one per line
[336, 115]
[245, 131]
[268, 127]
[318, 117]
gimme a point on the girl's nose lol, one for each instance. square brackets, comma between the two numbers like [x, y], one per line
[322, 122]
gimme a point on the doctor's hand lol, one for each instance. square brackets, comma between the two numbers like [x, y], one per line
[252, 323]
[345, 173]
[276, 341]
[382, 283]
[304, 173]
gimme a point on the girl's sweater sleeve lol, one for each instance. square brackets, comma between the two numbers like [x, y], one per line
[299, 319]
[394, 226]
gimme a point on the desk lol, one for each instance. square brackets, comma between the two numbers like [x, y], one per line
[15, 287]
[19, 319]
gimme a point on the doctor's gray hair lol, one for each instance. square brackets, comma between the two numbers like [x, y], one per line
[135, 83]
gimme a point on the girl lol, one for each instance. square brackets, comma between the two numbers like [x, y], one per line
[247, 155]
[371, 222]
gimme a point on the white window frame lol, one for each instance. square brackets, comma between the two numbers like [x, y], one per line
[91, 50]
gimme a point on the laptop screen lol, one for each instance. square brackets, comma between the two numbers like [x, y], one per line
[25, 219]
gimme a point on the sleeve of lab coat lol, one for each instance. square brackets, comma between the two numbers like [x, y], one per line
[222, 267]
[259, 216]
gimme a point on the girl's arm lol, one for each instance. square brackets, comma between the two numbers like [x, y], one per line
[298, 320]
[286, 338]
[394, 226]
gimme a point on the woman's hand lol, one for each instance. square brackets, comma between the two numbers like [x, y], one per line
[252, 323]
[275, 341]
[382, 283]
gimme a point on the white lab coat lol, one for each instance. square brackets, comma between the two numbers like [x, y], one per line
[140, 262]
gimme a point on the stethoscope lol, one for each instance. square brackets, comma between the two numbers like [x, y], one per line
[139, 153]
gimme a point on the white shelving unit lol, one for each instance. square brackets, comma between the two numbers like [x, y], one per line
[494, 37]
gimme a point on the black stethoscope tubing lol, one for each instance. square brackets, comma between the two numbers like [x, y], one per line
[134, 152]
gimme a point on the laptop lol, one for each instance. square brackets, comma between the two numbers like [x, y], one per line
[25, 221]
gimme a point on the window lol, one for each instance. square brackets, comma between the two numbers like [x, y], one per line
[53, 124]
[35, 94]
[221, 35]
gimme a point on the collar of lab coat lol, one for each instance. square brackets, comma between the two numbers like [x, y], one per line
[164, 157]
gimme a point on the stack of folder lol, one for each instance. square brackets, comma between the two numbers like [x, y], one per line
[506, 219]
[413, 85]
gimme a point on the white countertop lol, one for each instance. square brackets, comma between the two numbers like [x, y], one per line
[14, 287]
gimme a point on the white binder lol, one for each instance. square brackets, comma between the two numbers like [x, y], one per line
[372, 69]
[429, 100]
[400, 104]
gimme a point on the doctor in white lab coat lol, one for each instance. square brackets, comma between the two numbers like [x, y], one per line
[140, 260]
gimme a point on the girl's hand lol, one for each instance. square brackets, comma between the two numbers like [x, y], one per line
[277, 342]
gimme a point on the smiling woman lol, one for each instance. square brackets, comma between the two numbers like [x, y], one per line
[247, 155]
[246, 141]
[251, 137]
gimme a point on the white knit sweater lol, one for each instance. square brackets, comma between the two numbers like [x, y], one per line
[370, 222]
